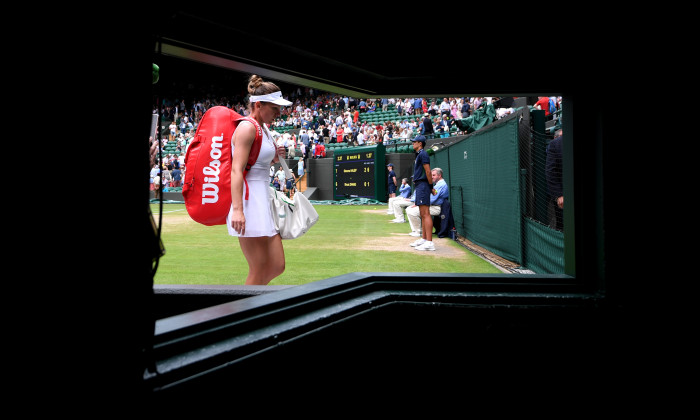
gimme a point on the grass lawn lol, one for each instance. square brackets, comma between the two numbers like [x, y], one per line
[345, 239]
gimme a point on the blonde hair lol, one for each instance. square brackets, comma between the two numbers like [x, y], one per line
[257, 86]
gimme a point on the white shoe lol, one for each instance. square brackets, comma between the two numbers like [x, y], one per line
[414, 233]
[417, 242]
[398, 221]
[426, 246]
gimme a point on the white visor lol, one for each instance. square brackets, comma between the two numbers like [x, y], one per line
[274, 97]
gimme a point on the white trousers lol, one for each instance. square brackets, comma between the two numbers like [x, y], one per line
[390, 202]
[414, 219]
[398, 204]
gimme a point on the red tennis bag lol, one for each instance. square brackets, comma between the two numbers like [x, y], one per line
[207, 185]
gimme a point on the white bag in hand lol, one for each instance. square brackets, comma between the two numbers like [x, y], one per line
[292, 218]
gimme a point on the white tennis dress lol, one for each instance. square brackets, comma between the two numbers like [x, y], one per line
[258, 218]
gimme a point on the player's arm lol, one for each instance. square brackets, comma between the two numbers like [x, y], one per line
[428, 173]
[243, 139]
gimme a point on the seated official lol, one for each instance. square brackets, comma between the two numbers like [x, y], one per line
[441, 193]
[399, 204]
[404, 194]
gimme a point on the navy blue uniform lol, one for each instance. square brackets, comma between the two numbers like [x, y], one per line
[420, 179]
[392, 186]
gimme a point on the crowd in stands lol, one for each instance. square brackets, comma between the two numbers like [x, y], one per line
[319, 118]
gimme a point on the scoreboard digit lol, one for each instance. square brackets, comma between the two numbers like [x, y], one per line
[359, 172]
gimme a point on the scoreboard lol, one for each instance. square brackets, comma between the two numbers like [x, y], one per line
[360, 172]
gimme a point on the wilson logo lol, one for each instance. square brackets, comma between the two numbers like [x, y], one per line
[210, 190]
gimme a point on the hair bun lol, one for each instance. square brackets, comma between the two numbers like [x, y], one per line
[254, 82]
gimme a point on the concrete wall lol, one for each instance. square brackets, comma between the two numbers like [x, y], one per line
[320, 172]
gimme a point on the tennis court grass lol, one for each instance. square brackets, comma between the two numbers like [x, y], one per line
[345, 239]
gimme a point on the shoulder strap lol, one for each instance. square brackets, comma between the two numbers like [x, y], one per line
[257, 143]
[254, 149]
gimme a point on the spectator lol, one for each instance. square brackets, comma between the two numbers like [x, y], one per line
[155, 170]
[476, 102]
[543, 103]
[407, 107]
[348, 122]
[433, 109]
[183, 124]
[300, 168]
[302, 148]
[553, 173]
[455, 107]
[387, 137]
[304, 136]
[360, 140]
[338, 121]
[352, 136]
[427, 128]
[325, 134]
[167, 178]
[339, 133]
[465, 109]
[173, 131]
[289, 184]
[177, 176]
[279, 175]
[444, 125]
[418, 106]
[157, 186]
[320, 151]
[552, 105]
[445, 107]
